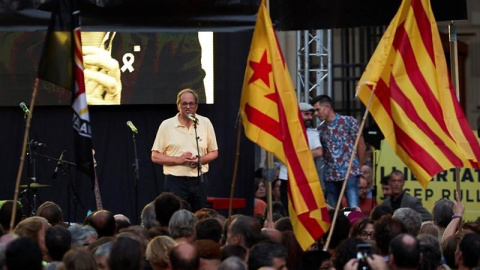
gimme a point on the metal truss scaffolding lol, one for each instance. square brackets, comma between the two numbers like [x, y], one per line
[314, 63]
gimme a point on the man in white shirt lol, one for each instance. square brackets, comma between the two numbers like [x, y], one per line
[307, 111]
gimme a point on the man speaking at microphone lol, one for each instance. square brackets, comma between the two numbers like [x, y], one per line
[175, 148]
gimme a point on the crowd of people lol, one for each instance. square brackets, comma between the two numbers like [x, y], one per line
[171, 236]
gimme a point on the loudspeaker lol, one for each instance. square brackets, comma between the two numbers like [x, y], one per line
[373, 135]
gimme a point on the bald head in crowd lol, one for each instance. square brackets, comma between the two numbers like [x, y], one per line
[103, 221]
[184, 256]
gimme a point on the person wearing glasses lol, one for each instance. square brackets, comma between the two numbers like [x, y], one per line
[175, 148]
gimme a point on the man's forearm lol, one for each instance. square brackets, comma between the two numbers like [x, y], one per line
[163, 159]
[317, 152]
[209, 157]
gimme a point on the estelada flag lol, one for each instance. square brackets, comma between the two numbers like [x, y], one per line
[61, 63]
[413, 102]
[271, 118]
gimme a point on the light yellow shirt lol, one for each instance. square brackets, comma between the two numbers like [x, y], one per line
[173, 139]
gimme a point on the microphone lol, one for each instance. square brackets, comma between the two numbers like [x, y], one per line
[193, 118]
[35, 144]
[24, 108]
[59, 163]
[132, 127]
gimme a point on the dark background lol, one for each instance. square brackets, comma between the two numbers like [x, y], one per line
[113, 143]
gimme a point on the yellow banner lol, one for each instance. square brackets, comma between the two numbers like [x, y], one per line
[442, 185]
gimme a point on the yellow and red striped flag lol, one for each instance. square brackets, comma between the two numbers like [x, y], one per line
[271, 118]
[414, 103]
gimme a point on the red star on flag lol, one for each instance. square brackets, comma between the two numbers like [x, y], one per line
[261, 70]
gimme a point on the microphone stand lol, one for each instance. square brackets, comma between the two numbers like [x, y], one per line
[64, 166]
[199, 162]
[137, 178]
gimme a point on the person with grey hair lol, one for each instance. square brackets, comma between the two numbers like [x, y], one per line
[102, 254]
[442, 215]
[411, 218]
[148, 218]
[181, 226]
[400, 198]
[82, 235]
[232, 263]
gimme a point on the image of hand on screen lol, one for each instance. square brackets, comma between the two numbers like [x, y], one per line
[103, 83]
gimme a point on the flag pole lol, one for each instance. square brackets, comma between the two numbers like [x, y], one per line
[270, 166]
[235, 166]
[24, 150]
[352, 156]
[452, 33]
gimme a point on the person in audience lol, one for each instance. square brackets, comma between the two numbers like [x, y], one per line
[148, 218]
[283, 224]
[267, 255]
[165, 205]
[259, 204]
[181, 226]
[23, 254]
[271, 235]
[346, 251]
[102, 255]
[442, 215]
[386, 190]
[429, 228]
[184, 256]
[103, 221]
[431, 253]
[232, 263]
[411, 218]
[363, 229]
[6, 215]
[208, 234]
[126, 254]
[58, 241]
[471, 227]
[82, 235]
[399, 198]
[276, 186]
[34, 228]
[4, 241]
[379, 211]
[52, 212]
[449, 248]
[340, 233]
[78, 258]
[294, 251]
[315, 260]
[244, 231]
[368, 175]
[458, 209]
[385, 229]
[404, 252]
[467, 256]
[122, 221]
[233, 250]
[205, 213]
[366, 203]
[158, 252]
